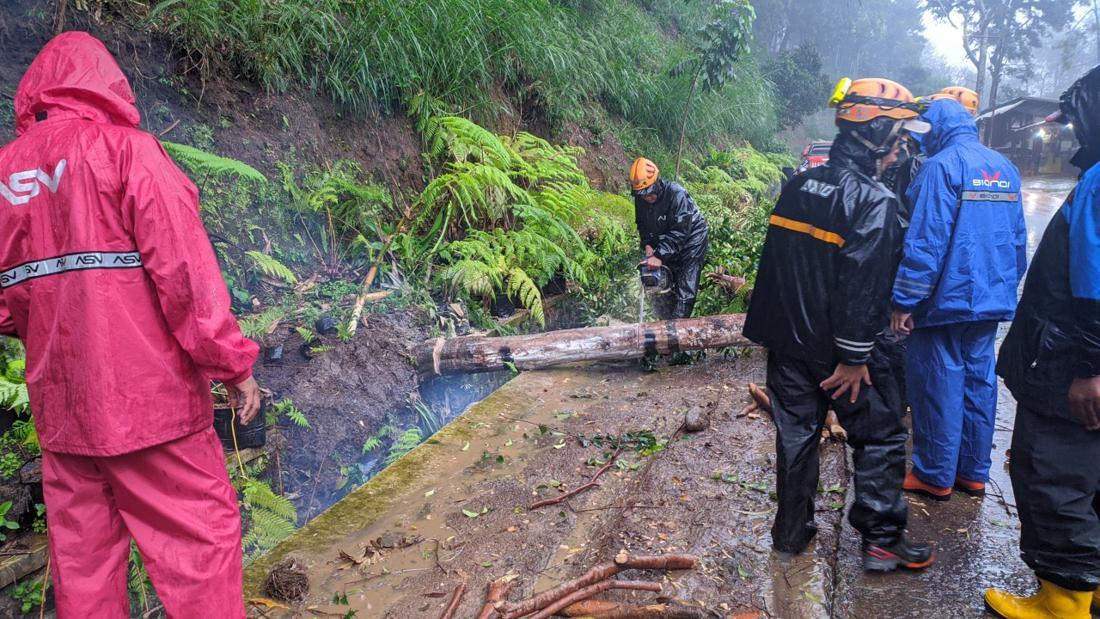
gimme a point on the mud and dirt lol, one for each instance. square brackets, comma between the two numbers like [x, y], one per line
[462, 498]
[347, 394]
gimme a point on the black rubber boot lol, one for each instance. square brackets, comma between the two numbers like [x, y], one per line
[900, 554]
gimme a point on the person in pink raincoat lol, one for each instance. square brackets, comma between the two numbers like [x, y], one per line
[109, 279]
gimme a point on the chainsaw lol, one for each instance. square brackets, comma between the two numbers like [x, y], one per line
[654, 282]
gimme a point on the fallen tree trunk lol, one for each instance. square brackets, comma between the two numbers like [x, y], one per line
[462, 355]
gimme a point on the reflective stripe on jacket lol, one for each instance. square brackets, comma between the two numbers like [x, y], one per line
[823, 287]
[106, 272]
[966, 248]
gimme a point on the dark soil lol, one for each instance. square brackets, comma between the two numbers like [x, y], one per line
[347, 394]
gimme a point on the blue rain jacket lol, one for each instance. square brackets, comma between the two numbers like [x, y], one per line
[966, 249]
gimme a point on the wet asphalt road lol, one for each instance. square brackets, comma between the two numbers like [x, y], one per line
[976, 539]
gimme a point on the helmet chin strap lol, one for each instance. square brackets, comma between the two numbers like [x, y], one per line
[879, 150]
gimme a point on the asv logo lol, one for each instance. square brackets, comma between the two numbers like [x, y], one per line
[22, 186]
[991, 181]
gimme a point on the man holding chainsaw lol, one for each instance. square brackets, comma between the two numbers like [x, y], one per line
[673, 236]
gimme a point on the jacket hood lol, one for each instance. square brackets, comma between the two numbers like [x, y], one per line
[74, 76]
[950, 122]
[1080, 104]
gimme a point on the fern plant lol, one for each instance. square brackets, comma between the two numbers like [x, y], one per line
[405, 442]
[207, 164]
[271, 267]
[290, 411]
[259, 325]
[505, 216]
[270, 518]
[138, 581]
[350, 210]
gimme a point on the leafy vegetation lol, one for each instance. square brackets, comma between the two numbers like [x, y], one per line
[508, 214]
[547, 59]
[403, 444]
[269, 518]
[734, 191]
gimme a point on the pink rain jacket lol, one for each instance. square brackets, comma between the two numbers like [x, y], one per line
[106, 271]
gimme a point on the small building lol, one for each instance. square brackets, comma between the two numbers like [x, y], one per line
[1017, 129]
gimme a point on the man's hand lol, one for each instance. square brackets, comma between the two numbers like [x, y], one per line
[901, 323]
[1084, 402]
[652, 262]
[245, 399]
[847, 378]
[648, 251]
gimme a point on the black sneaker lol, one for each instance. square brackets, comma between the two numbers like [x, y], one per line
[880, 558]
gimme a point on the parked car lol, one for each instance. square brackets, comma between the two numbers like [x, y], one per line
[815, 154]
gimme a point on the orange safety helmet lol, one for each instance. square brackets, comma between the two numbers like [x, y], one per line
[866, 99]
[643, 176]
[968, 98]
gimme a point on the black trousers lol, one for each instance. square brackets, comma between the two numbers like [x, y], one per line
[875, 433]
[1055, 469]
[679, 301]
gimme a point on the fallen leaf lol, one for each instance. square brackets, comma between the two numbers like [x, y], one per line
[350, 559]
[268, 602]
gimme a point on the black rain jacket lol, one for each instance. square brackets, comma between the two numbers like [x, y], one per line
[1056, 334]
[672, 226]
[898, 178]
[822, 291]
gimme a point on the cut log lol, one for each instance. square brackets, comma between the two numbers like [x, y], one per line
[461, 355]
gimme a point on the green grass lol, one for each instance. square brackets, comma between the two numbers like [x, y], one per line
[478, 58]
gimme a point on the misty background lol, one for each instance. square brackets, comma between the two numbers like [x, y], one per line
[1002, 49]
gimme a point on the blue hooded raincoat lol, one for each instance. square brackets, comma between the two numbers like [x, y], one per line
[964, 256]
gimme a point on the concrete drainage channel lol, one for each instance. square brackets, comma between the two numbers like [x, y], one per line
[456, 509]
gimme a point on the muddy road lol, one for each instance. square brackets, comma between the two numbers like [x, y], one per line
[977, 540]
[456, 509]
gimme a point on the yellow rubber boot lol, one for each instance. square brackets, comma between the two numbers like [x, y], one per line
[1051, 602]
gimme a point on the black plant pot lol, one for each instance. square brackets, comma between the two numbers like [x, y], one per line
[252, 435]
[502, 306]
[556, 285]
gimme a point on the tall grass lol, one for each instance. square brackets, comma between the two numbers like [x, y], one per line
[481, 58]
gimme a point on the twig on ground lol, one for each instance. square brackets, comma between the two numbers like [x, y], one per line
[381, 574]
[600, 609]
[496, 592]
[169, 128]
[587, 592]
[540, 426]
[456, 599]
[437, 563]
[45, 585]
[999, 495]
[596, 509]
[596, 574]
[579, 489]
[316, 479]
